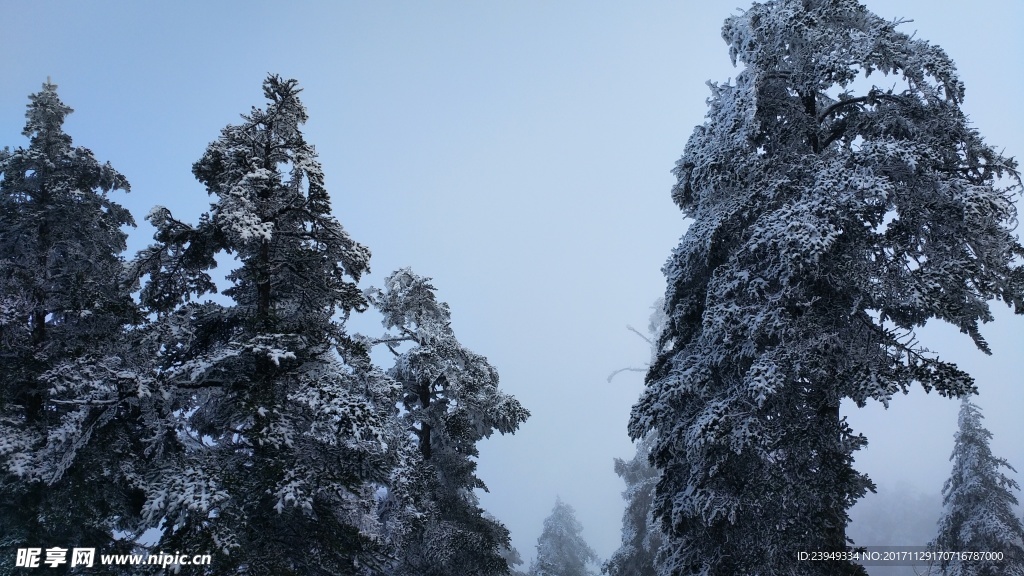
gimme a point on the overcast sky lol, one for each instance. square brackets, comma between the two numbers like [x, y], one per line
[517, 152]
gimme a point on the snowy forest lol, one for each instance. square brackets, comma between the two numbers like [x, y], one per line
[212, 376]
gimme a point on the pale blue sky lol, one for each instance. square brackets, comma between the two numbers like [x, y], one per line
[518, 153]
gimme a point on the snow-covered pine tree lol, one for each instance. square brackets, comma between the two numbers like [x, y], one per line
[978, 501]
[828, 222]
[642, 538]
[641, 531]
[66, 395]
[451, 402]
[273, 440]
[561, 550]
[513, 559]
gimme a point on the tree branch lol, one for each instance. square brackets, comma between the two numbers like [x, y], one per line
[86, 402]
[630, 369]
[634, 331]
[872, 96]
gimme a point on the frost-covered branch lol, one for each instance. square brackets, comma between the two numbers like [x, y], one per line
[873, 96]
[91, 402]
[628, 369]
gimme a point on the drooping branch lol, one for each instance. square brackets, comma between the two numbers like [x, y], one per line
[629, 369]
[872, 96]
[840, 127]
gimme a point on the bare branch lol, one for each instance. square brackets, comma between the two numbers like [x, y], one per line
[635, 331]
[630, 369]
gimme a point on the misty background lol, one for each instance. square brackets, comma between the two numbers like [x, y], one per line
[518, 153]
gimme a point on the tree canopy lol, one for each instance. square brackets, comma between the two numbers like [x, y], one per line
[67, 412]
[451, 401]
[561, 549]
[979, 503]
[831, 217]
[274, 428]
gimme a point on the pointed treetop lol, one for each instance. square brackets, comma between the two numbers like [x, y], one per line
[45, 116]
[979, 503]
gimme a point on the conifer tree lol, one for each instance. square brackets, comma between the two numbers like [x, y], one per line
[979, 501]
[829, 221]
[641, 533]
[274, 436]
[642, 538]
[513, 559]
[68, 398]
[451, 401]
[561, 550]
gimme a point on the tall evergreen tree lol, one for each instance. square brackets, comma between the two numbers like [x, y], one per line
[642, 537]
[829, 222]
[561, 550]
[66, 394]
[979, 503]
[513, 559]
[273, 439]
[450, 401]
